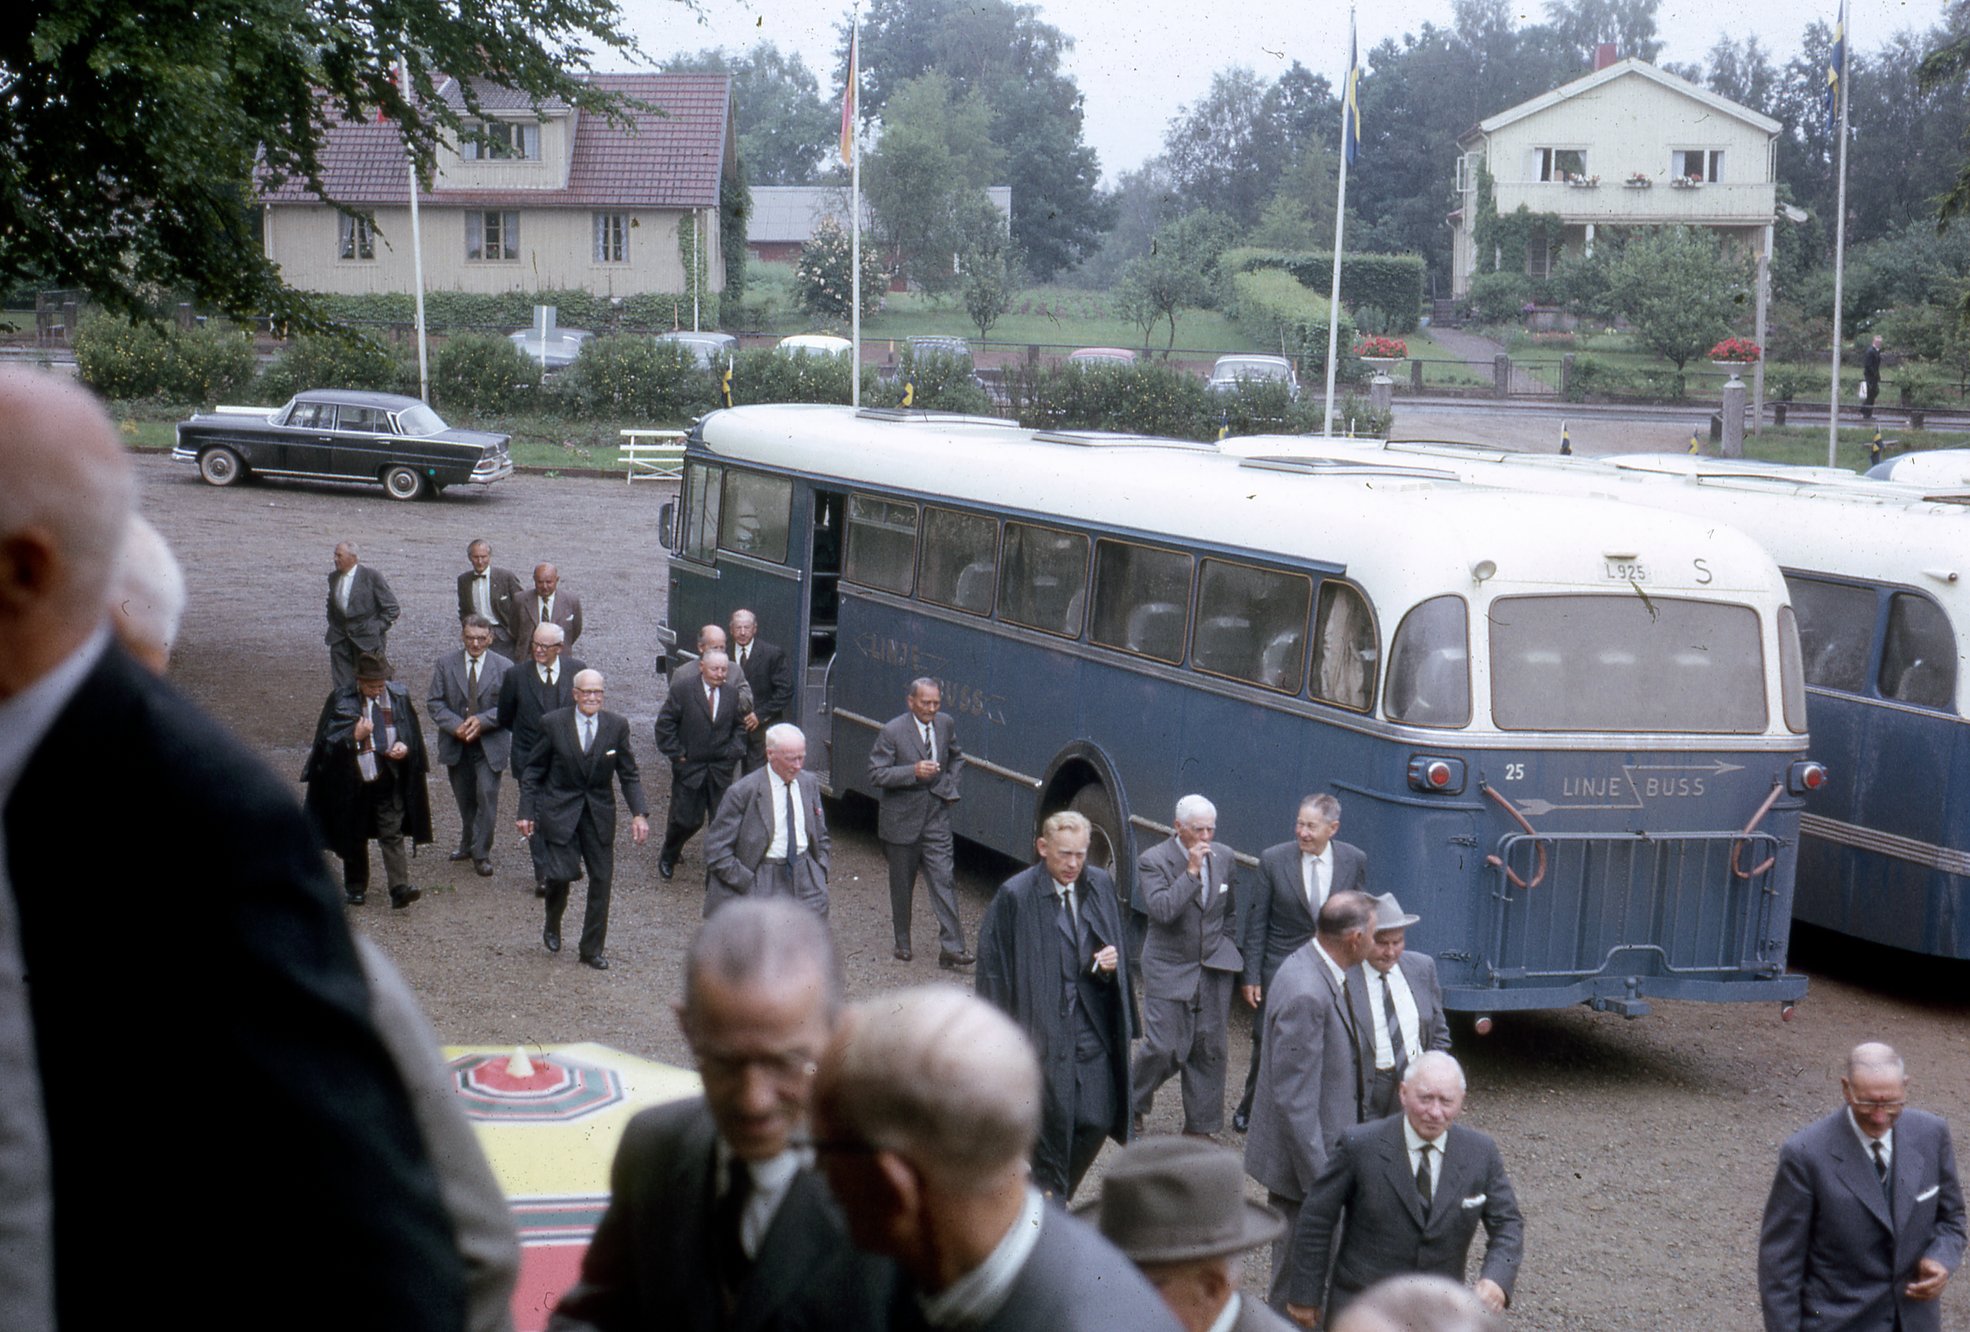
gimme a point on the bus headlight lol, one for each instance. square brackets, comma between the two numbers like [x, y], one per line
[1805, 776]
[1436, 776]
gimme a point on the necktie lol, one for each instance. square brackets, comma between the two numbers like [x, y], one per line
[472, 684]
[482, 594]
[711, 701]
[1880, 1163]
[744, 652]
[1204, 875]
[1395, 1027]
[1423, 1176]
[792, 849]
[552, 672]
[728, 1225]
[1306, 882]
[1073, 916]
[587, 733]
[929, 745]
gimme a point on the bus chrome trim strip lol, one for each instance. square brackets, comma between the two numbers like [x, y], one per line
[1248, 861]
[1892, 705]
[758, 565]
[860, 720]
[1947, 859]
[970, 760]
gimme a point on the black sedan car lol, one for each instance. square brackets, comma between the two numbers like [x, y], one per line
[343, 435]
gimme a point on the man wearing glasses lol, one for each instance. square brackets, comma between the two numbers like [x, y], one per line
[1865, 1220]
[716, 1217]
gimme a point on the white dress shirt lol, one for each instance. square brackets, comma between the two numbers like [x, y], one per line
[977, 1296]
[482, 593]
[1887, 1141]
[1405, 1014]
[1414, 1141]
[342, 586]
[771, 1179]
[780, 848]
[1317, 877]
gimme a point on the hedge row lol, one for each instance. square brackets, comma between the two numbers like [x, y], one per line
[125, 360]
[1391, 284]
[1157, 400]
[650, 312]
[1279, 310]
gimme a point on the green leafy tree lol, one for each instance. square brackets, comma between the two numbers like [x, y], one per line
[936, 155]
[786, 127]
[1155, 289]
[1580, 26]
[823, 278]
[130, 133]
[1235, 149]
[1678, 291]
[1945, 69]
[986, 263]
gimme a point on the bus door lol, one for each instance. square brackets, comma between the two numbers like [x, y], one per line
[821, 618]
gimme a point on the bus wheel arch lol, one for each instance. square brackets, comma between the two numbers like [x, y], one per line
[1082, 779]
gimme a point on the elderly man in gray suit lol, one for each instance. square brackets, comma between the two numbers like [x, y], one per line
[1398, 1007]
[926, 1107]
[464, 706]
[1414, 1192]
[1865, 1221]
[1310, 1085]
[914, 764]
[769, 837]
[1189, 962]
[1277, 917]
[361, 609]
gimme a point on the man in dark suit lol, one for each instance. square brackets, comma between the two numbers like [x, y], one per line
[768, 677]
[1398, 1007]
[243, 943]
[1189, 962]
[1177, 1208]
[914, 766]
[365, 776]
[1865, 1221]
[1414, 1192]
[1294, 879]
[528, 693]
[547, 604]
[698, 731]
[1871, 378]
[361, 609]
[1050, 955]
[464, 704]
[925, 1110]
[716, 1220]
[769, 837]
[567, 799]
[1310, 1084]
[495, 594]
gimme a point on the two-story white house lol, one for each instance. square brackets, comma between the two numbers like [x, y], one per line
[1626, 146]
[553, 199]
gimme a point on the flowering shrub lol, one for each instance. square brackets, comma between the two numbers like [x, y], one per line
[1742, 350]
[120, 359]
[1378, 348]
[823, 282]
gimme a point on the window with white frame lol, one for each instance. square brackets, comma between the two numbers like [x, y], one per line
[356, 238]
[1560, 164]
[492, 236]
[501, 141]
[612, 238]
[1698, 164]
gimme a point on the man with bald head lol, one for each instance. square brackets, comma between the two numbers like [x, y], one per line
[147, 598]
[548, 603]
[769, 837]
[243, 944]
[1865, 1221]
[361, 609]
[526, 694]
[926, 1109]
[699, 731]
[567, 800]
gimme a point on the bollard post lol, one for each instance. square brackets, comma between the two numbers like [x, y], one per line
[1415, 376]
[1501, 375]
[1381, 392]
[1733, 433]
[1566, 374]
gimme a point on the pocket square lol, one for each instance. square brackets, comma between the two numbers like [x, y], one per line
[1475, 1200]
[1928, 1193]
[1223, 888]
[608, 753]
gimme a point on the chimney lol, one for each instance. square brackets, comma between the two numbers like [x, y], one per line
[1604, 55]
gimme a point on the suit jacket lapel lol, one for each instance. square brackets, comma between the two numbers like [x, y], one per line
[1453, 1180]
[803, 1235]
[1856, 1171]
[1394, 1146]
[1906, 1171]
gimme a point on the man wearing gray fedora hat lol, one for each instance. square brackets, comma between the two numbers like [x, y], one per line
[1177, 1208]
[1398, 1007]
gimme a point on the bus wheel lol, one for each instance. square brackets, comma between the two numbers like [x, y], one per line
[1105, 839]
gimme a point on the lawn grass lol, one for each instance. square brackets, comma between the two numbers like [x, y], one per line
[1807, 444]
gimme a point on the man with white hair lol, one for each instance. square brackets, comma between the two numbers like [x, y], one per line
[361, 609]
[1190, 961]
[1418, 1303]
[700, 730]
[925, 1111]
[526, 694]
[243, 944]
[1413, 1191]
[147, 598]
[769, 837]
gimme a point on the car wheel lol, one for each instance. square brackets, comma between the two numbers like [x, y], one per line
[403, 483]
[220, 467]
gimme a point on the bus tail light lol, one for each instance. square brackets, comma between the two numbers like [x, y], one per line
[1805, 776]
[1436, 776]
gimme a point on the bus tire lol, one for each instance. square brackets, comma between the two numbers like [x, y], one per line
[1107, 841]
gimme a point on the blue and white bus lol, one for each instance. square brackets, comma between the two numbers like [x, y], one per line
[1571, 736]
[1879, 575]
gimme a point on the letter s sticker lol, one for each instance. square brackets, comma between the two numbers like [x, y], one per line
[1703, 574]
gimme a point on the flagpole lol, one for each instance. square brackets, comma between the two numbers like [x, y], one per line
[1350, 127]
[417, 257]
[852, 144]
[1839, 241]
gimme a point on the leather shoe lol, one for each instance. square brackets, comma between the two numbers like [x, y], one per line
[355, 898]
[666, 868]
[552, 938]
[599, 962]
[952, 961]
[484, 867]
[403, 897]
[457, 856]
[901, 954]
[540, 889]
[1241, 1121]
[1140, 1125]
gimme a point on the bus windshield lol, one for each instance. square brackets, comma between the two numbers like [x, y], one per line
[1626, 663]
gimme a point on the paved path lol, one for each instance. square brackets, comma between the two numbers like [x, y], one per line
[1480, 354]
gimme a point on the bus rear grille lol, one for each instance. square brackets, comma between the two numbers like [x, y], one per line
[1627, 905]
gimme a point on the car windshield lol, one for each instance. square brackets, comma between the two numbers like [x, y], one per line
[1250, 370]
[419, 419]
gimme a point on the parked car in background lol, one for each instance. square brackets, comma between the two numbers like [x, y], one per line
[343, 435]
[711, 349]
[816, 344]
[557, 351]
[1101, 356]
[1231, 371]
[939, 346]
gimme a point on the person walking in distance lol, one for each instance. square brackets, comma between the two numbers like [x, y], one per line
[914, 766]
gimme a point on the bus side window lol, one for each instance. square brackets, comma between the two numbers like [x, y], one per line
[960, 559]
[1918, 661]
[1042, 581]
[701, 493]
[882, 543]
[1251, 624]
[1344, 648]
[1836, 631]
[1429, 666]
[756, 514]
[1141, 599]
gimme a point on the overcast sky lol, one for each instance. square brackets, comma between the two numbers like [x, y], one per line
[1139, 62]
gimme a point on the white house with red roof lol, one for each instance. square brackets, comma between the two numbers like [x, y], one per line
[557, 199]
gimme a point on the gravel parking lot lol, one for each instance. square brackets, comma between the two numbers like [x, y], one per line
[1641, 1149]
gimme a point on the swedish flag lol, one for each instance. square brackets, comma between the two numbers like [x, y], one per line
[909, 393]
[1836, 69]
[725, 384]
[1351, 101]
